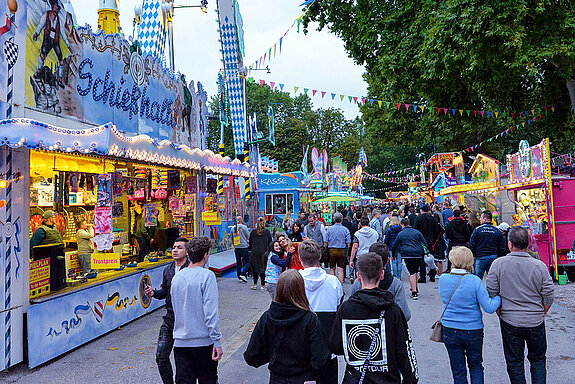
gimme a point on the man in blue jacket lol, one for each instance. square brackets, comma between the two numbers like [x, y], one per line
[409, 244]
[486, 243]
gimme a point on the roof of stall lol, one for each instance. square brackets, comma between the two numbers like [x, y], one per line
[107, 140]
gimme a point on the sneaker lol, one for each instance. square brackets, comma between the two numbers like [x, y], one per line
[243, 279]
[414, 295]
[254, 287]
[432, 274]
[263, 287]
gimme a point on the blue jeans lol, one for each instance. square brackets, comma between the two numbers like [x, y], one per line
[242, 261]
[460, 345]
[397, 267]
[514, 340]
[482, 264]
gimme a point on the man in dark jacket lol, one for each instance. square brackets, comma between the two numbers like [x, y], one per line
[409, 245]
[430, 229]
[457, 233]
[356, 323]
[165, 338]
[486, 243]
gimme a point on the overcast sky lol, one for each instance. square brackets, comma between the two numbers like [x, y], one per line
[315, 61]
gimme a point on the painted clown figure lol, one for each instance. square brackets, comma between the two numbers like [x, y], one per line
[53, 25]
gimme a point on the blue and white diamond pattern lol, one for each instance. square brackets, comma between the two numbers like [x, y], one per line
[235, 84]
[153, 29]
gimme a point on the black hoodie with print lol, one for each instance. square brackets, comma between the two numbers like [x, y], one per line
[289, 339]
[353, 331]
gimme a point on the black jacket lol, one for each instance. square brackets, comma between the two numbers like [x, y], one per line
[361, 311]
[164, 291]
[289, 339]
[429, 228]
[409, 244]
[458, 232]
[487, 240]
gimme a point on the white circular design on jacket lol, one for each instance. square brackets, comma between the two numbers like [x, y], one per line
[367, 332]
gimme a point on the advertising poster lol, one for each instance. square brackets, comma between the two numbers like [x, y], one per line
[103, 220]
[57, 326]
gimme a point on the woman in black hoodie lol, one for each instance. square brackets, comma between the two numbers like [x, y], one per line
[287, 336]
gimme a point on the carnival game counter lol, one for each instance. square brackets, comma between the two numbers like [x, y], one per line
[73, 316]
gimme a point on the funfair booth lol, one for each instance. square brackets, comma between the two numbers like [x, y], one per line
[99, 131]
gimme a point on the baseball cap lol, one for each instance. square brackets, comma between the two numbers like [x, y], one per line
[48, 214]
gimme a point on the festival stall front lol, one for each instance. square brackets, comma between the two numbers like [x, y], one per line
[281, 193]
[95, 135]
[479, 192]
[544, 203]
[128, 188]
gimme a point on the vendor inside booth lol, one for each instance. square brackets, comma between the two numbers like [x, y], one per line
[133, 212]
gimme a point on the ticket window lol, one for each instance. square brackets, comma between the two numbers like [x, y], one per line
[279, 204]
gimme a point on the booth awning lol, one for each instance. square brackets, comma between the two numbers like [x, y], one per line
[461, 188]
[336, 199]
[107, 140]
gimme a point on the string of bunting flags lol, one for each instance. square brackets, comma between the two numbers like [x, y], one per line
[505, 132]
[401, 106]
[386, 188]
[276, 48]
[391, 179]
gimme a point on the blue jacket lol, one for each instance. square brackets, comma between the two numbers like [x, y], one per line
[391, 234]
[463, 312]
[487, 240]
[276, 265]
[409, 243]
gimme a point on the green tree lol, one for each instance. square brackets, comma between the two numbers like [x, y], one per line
[506, 56]
[296, 125]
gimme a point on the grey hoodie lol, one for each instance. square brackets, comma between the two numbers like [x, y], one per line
[365, 236]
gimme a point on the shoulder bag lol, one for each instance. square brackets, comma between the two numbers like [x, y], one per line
[355, 376]
[437, 327]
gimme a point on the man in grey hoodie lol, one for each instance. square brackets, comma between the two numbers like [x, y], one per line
[363, 238]
[324, 293]
[197, 337]
[389, 282]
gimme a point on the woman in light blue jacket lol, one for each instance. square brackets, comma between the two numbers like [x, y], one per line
[277, 263]
[462, 320]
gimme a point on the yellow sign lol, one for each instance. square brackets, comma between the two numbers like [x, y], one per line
[209, 216]
[105, 260]
[39, 277]
[216, 221]
[236, 240]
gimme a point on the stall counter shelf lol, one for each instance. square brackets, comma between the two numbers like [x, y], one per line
[101, 278]
[63, 320]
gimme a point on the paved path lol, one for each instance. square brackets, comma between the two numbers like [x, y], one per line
[127, 355]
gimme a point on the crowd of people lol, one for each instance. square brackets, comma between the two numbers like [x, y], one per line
[309, 321]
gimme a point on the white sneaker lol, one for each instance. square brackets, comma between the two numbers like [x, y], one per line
[254, 287]
[243, 279]
[263, 287]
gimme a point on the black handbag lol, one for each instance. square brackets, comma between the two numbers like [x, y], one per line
[353, 376]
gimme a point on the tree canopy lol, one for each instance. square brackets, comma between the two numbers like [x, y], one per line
[296, 124]
[507, 56]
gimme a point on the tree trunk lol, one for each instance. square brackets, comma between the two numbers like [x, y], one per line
[571, 88]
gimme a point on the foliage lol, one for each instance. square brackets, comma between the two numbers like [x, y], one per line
[506, 56]
[296, 125]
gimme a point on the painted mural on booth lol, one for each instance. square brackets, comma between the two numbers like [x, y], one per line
[57, 326]
[98, 78]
